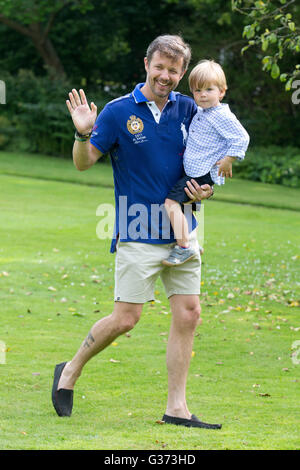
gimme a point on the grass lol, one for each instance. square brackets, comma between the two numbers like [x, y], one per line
[56, 280]
[56, 169]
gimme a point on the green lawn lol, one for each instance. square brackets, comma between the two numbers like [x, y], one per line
[56, 280]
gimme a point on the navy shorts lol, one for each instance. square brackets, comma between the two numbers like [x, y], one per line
[177, 193]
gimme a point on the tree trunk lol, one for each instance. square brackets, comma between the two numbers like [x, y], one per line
[50, 57]
[45, 48]
[41, 41]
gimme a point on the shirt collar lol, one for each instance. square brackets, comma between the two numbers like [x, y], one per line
[140, 98]
[213, 109]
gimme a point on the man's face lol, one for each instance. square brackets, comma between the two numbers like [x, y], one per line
[163, 74]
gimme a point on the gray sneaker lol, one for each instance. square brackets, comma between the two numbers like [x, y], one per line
[179, 256]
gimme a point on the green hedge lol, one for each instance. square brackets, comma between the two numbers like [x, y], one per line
[35, 118]
[272, 164]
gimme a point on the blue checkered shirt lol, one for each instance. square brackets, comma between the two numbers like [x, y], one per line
[214, 133]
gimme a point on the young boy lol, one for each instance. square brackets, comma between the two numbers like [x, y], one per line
[216, 138]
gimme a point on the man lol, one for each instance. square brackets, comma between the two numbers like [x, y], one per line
[144, 132]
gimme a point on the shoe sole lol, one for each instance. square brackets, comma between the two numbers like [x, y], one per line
[167, 263]
[194, 422]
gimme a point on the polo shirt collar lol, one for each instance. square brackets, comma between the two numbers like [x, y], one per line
[140, 98]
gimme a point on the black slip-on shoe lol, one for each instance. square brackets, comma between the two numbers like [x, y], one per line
[62, 399]
[194, 422]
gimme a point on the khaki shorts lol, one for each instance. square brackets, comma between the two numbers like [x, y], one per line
[138, 265]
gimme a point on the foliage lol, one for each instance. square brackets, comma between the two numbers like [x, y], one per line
[37, 118]
[275, 165]
[5, 126]
[99, 36]
[35, 20]
[102, 50]
[274, 28]
[33, 11]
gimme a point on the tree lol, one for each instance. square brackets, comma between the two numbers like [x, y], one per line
[274, 28]
[35, 19]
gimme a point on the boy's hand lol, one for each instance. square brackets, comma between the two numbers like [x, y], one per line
[225, 166]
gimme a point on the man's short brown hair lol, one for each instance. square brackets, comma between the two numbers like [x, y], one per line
[172, 46]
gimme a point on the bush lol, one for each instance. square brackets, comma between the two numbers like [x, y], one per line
[37, 115]
[5, 127]
[275, 165]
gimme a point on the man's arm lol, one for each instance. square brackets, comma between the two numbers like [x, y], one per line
[84, 153]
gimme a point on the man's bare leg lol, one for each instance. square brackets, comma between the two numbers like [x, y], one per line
[185, 317]
[102, 333]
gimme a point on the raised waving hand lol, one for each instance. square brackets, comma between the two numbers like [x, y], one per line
[82, 114]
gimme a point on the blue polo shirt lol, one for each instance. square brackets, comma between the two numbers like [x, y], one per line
[147, 160]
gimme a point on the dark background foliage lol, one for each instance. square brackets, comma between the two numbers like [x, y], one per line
[100, 45]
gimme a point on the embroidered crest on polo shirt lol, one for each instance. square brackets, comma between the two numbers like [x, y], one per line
[135, 125]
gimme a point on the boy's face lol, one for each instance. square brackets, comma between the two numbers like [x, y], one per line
[208, 96]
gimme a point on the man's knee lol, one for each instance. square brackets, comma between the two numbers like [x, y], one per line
[128, 322]
[192, 315]
[127, 315]
[188, 314]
